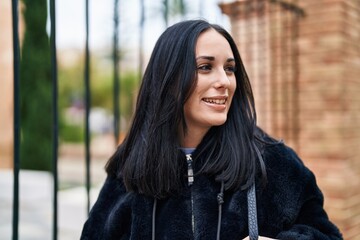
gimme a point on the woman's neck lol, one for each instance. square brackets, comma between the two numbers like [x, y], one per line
[192, 138]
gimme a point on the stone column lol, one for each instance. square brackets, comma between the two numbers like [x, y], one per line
[326, 93]
[6, 86]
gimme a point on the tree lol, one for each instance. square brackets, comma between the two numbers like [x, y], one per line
[173, 8]
[35, 94]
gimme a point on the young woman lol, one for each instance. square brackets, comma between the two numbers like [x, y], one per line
[194, 165]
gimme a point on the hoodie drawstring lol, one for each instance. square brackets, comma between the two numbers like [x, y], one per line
[220, 199]
[153, 219]
[252, 213]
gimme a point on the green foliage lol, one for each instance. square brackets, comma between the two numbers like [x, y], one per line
[71, 84]
[178, 7]
[35, 91]
[173, 8]
[128, 92]
[72, 133]
[102, 91]
[71, 92]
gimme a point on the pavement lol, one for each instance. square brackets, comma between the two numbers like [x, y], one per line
[36, 197]
[36, 207]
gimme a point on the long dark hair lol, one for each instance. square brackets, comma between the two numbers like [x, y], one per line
[149, 160]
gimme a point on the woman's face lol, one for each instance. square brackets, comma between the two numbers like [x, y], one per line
[210, 101]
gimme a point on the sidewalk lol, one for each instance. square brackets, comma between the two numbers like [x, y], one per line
[36, 190]
[36, 194]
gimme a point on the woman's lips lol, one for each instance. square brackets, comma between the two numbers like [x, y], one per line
[217, 103]
[215, 100]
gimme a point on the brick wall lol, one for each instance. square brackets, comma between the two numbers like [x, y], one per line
[6, 88]
[306, 82]
[7, 83]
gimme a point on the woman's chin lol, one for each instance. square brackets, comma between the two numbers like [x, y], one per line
[218, 121]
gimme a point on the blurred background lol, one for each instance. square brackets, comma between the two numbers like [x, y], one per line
[302, 57]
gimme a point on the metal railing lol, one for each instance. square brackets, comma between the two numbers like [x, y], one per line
[16, 48]
[55, 123]
[87, 98]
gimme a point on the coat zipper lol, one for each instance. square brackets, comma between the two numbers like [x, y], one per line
[190, 169]
[190, 183]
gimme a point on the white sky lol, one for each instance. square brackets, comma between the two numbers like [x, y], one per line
[70, 20]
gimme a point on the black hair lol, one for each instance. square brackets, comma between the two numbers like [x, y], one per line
[149, 160]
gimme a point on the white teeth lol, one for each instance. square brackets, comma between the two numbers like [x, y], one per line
[214, 101]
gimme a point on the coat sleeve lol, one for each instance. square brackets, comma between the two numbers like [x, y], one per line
[110, 216]
[312, 221]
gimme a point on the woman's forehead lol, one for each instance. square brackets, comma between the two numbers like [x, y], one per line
[212, 43]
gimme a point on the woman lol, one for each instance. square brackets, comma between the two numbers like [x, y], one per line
[193, 157]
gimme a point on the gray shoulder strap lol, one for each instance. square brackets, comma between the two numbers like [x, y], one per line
[252, 213]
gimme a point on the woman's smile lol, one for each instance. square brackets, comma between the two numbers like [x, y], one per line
[209, 103]
[216, 100]
[217, 103]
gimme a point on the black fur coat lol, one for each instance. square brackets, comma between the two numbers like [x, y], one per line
[289, 207]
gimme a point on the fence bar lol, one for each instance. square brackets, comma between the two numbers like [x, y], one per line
[87, 105]
[141, 36]
[55, 115]
[116, 73]
[16, 52]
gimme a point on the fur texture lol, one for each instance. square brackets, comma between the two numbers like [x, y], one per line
[289, 207]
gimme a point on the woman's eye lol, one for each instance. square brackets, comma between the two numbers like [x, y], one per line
[205, 67]
[230, 69]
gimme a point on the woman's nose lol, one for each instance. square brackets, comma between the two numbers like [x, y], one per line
[222, 79]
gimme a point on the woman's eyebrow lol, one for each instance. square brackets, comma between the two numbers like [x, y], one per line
[210, 58]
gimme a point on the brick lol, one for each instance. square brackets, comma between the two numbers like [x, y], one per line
[6, 89]
[320, 114]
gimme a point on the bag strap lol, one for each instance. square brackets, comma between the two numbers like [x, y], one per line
[252, 213]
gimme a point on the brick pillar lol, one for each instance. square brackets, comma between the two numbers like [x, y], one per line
[330, 105]
[326, 92]
[6, 87]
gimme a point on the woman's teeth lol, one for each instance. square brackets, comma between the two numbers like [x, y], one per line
[214, 101]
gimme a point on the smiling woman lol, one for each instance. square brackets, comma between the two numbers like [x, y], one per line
[210, 101]
[194, 164]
